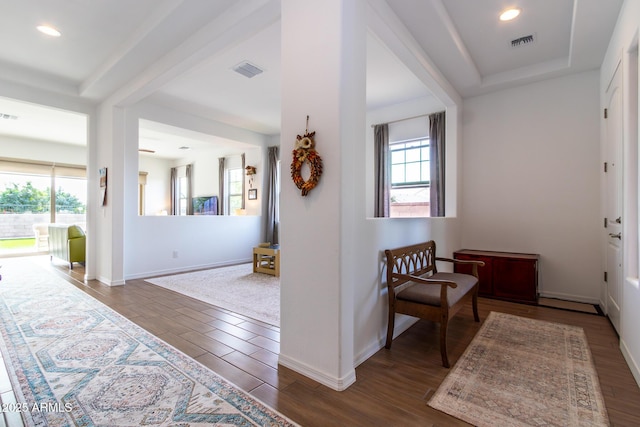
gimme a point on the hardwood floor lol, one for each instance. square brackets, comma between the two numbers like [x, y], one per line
[392, 387]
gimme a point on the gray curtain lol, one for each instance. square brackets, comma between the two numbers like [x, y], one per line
[436, 157]
[244, 161]
[273, 209]
[221, 201]
[381, 170]
[175, 197]
[189, 174]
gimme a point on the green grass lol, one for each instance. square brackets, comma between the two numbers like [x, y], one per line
[17, 243]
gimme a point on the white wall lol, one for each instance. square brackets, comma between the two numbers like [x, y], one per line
[157, 189]
[531, 180]
[44, 151]
[171, 244]
[624, 39]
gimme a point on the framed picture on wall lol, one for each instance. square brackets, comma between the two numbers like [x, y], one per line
[103, 185]
[253, 194]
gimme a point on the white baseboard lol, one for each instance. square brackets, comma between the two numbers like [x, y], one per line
[633, 365]
[109, 282]
[338, 384]
[186, 269]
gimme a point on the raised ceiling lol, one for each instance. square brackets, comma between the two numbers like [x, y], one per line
[181, 53]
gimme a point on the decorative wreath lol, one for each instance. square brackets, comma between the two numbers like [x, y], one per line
[305, 152]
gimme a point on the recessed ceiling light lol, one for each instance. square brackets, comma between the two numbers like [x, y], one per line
[509, 14]
[49, 30]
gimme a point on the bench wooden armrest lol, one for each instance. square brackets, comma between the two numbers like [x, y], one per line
[474, 263]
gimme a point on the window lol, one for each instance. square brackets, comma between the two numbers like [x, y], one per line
[70, 195]
[28, 203]
[183, 190]
[410, 169]
[235, 179]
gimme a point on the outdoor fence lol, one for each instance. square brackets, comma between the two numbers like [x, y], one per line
[21, 225]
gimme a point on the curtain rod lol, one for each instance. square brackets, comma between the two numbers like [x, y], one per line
[402, 120]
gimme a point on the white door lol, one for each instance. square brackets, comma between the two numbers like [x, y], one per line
[613, 167]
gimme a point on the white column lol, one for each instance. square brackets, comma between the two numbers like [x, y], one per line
[323, 76]
[109, 219]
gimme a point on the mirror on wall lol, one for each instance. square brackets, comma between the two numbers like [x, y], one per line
[183, 172]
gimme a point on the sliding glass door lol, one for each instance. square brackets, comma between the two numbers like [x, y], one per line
[28, 203]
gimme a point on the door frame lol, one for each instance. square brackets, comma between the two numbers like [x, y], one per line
[613, 152]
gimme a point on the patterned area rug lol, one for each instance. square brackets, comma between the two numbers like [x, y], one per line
[524, 372]
[73, 361]
[236, 288]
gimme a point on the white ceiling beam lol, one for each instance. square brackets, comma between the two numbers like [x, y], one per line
[237, 23]
[451, 29]
[387, 26]
[160, 13]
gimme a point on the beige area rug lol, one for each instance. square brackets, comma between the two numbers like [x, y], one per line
[236, 288]
[524, 372]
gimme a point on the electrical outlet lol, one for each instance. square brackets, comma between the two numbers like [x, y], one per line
[175, 254]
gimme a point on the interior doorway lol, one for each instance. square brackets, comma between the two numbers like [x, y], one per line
[43, 179]
[632, 177]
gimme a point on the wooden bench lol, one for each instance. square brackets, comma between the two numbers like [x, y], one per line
[417, 289]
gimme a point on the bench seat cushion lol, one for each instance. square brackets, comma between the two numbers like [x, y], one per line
[430, 294]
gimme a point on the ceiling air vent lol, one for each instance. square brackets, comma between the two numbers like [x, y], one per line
[247, 69]
[522, 41]
[8, 116]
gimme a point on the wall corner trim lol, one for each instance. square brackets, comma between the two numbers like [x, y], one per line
[338, 384]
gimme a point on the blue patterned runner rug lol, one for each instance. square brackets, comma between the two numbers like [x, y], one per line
[75, 362]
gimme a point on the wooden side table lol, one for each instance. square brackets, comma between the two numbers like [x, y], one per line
[266, 259]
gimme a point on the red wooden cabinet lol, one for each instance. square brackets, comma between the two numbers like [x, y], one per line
[505, 275]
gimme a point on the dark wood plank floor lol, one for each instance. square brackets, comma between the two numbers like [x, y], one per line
[392, 387]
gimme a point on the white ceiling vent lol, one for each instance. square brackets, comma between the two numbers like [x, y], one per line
[247, 69]
[8, 116]
[523, 41]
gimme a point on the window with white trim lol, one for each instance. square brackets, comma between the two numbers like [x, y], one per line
[410, 173]
[234, 190]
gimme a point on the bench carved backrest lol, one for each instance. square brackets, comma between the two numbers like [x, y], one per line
[415, 260]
